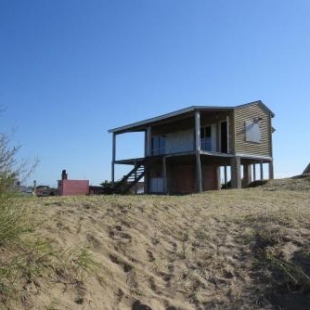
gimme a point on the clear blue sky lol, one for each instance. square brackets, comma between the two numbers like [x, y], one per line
[70, 70]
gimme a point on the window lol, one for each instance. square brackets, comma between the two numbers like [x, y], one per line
[158, 145]
[252, 131]
[206, 138]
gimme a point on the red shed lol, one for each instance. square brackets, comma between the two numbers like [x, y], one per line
[73, 187]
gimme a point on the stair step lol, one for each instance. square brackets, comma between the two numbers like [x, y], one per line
[129, 180]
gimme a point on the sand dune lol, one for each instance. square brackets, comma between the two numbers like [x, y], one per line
[216, 250]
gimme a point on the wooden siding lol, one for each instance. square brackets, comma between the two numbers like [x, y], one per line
[248, 113]
[171, 126]
[155, 171]
[209, 119]
[210, 178]
[182, 179]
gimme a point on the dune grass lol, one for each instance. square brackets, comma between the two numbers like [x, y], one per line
[26, 257]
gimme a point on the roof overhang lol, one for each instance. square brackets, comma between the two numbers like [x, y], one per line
[186, 112]
[142, 125]
[260, 103]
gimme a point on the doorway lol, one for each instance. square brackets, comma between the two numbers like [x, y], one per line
[224, 137]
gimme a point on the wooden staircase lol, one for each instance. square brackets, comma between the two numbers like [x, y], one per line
[123, 185]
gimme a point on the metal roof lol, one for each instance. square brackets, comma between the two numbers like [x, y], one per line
[142, 125]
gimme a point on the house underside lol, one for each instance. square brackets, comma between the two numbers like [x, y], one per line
[180, 173]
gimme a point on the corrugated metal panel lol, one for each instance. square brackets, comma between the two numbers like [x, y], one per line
[248, 113]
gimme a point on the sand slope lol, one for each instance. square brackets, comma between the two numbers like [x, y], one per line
[216, 250]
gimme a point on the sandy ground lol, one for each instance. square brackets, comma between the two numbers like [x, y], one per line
[161, 252]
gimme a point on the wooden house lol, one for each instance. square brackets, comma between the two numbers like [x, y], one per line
[199, 148]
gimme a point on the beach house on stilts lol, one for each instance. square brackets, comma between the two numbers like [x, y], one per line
[199, 148]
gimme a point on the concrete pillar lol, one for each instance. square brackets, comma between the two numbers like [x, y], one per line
[254, 172]
[148, 142]
[261, 170]
[271, 173]
[113, 158]
[136, 185]
[247, 174]
[225, 175]
[165, 175]
[197, 149]
[235, 172]
[218, 176]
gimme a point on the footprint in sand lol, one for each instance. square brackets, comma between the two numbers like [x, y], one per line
[117, 233]
[150, 255]
[137, 305]
[94, 241]
[126, 267]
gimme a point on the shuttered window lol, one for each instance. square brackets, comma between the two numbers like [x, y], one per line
[252, 131]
